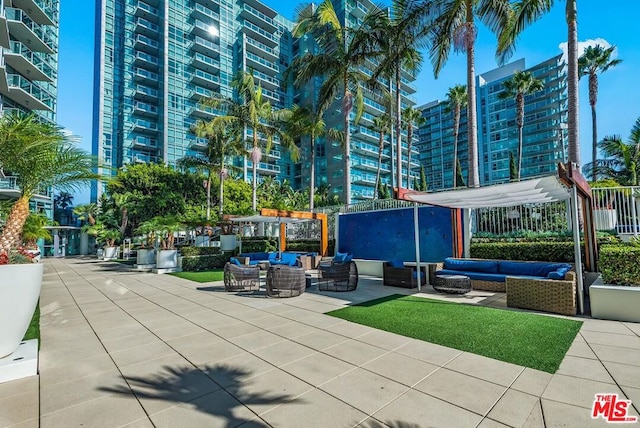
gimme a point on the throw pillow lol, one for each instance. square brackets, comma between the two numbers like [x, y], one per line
[348, 258]
[396, 263]
[235, 261]
[339, 258]
[558, 274]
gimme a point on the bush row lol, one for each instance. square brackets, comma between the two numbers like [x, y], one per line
[540, 251]
[192, 264]
[619, 264]
[199, 251]
[309, 245]
[259, 244]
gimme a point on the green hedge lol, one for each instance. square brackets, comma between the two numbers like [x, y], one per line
[193, 264]
[309, 245]
[619, 264]
[259, 244]
[540, 251]
[199, 251]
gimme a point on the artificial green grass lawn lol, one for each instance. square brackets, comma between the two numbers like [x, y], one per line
[33, 332]
[536, 341]
[204, 276]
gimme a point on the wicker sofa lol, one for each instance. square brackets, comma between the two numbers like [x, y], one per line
[395, 274]
[542, 286]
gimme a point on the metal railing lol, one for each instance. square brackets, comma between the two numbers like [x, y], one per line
[617, 208]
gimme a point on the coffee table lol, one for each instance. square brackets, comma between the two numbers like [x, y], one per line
[453, 284]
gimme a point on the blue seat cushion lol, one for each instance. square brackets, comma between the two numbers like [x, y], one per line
[486, 266]
[254, 262]
[396, 263]
[290, 259]
[339, 258]
[478, 276]
[414, 275]
[558, 274]
[530, 268]
[348, 258]
[235, 261]
[272, 256]
[260, 256]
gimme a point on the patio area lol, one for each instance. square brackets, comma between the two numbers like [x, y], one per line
[122, 348]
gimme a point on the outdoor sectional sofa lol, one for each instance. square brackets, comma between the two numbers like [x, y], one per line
[290, 259]
[543, 286]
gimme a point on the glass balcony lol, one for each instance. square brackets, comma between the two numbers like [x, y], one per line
[145, 142]
[145, 109]
[264, 21]
[261, 48]
[145, 125]
[265, 168]
[204, 12]
[146, 11]
[267, 81]
[28, 94]
[9, 187]
[145, 60]
[145, 92]
[206, 46]
[146, 76]
[205, 62]
[28, 63]
[262, 64]
[43, 12]
[260, 34]
[146, 27]
[146, 44]
[37, 37]
[200, 92]
[205, 78]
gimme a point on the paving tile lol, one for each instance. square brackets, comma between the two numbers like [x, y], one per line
[264, 320]
[535, 419]
[256, 340]
[111, 411]
[19, 386]
[178, 331]
[142, 353]
[373, 423]
[532, 382]
[126, 342]
[605, 326]
[31, 423]
[461, 390]
[314, 409]
[401, 368]
[624, 374]
[490, 423]
[291, 330]
[384, 339]
[584, 368]
[621, 340]
[616, 354]
[633, 394]
[320, 339]
[416, 409]
[20, 407]
[218, 409]
[284, 352]
[564, 415]
[237, 329]
[211, 353]
[364, 390]
[269, 390]
[429, 352]
[70, 393]
[318, 368]
[634, 327]
[235, 370]
[582, 350]
[193, 341]
[142, 423]
[513, 408]
[576, 391]
[62, 370]
[485, 368]
[355, 352]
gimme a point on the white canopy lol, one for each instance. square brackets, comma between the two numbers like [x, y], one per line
[537, 190]
[267, 219]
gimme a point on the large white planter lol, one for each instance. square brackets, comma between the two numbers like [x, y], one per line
[19, 293]
[605, 219]
[614, 302]
[146, 256]
[228, 242]
[167, 259]
[110, 253]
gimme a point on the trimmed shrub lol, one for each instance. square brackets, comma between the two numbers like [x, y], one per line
[535, 251]
[619, 264]
[199, 251]
[309, 245]
[196, 263]
[259, 244]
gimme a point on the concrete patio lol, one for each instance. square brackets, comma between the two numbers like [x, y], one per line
[121, 348]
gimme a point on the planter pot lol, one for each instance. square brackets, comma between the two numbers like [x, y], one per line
[111, 253]
[146, 256]
[605, 219]
[167, 259]
[100, 253]
[228, 242]
[38, 254]
[613, 302]
[19, 293]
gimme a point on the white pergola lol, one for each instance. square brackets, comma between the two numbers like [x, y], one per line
[536, 190]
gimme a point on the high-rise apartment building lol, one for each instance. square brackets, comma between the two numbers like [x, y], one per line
[545, 133]
[156, 59]
[29, 72]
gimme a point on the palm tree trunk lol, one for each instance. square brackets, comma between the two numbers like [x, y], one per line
[572, 84]
[472, 128]
[398, 119]
[409, 138]
[594, 142]
[456, 131]
[347, 106]
[209, 196]
[221, 186]
[15, 221]
[312, 172]
[380, 149]
[254, 196]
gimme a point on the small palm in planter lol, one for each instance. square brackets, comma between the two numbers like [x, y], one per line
[167, 257]
[40, 156]
[146, 255]
[34, 229]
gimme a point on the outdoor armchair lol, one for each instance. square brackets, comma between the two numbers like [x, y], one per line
[241, 278]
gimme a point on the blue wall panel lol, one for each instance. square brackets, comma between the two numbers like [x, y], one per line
[383, 235]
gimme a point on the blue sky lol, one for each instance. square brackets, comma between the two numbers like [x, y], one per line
[619, 89]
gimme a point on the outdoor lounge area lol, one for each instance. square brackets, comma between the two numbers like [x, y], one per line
[122, 347]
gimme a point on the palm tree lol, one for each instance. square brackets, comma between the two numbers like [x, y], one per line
[457, 98]
[621, 160]
[529, 11]
[520, 84]
[222, 141]
[342, 52]
[41, 156]
[324, 196]
[595, 60]
[34, 229]
[412, 117]
[455, 26]
[254, 112]
[398, 35]
[87, 212]
[381, 125]
[306, 122]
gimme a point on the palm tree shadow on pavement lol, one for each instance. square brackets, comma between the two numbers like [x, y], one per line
[186, 385]
[374, 423]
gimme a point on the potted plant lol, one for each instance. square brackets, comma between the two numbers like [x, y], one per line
[40, 156]
[146, 256]
[110, 238]
[167, 255]
[34, 229]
